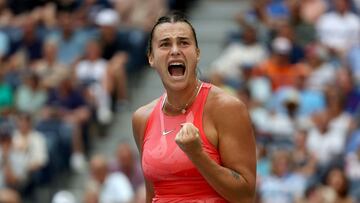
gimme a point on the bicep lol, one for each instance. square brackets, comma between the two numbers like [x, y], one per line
[236, 141]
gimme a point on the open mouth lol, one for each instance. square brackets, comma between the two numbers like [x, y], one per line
[176, 69]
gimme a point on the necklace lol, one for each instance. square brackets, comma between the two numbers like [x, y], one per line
[165, 132]
[184, 108]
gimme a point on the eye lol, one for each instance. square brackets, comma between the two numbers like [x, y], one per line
[184, 43]
[164, 44]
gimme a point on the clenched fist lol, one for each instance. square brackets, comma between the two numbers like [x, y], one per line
[188, 139]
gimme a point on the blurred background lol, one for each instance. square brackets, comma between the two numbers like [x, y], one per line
[73, 71]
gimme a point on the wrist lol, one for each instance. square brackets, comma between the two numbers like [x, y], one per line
[196, 154]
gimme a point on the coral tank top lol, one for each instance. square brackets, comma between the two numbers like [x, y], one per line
[174, 176]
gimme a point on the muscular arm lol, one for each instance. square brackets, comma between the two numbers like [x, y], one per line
[139, 120]
[235, 179]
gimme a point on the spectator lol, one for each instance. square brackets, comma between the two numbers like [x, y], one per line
[309, 101]
[71, 39]
[227, 69]
[339, 118]
[257, 16]
[304, 30]
[284, 123]
[337, 180]
[67, 102]
[254, 97]
[48, 68]
[111, 44]
[115, 49]
[296, 53]
[127, 163]
[339, 30]
[13, 172]
[15, 67]
[278, 67]
[319, 72]
[319, 193]
[32, 144]
[112, 187]
[30, 97]
[323, 141]
[93, 74]
[114, 40]
[282, 185]
[304, 161]
[31, 41]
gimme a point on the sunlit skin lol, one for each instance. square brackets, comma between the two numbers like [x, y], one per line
[235, 179]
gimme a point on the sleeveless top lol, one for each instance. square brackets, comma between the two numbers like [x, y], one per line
[174, 176]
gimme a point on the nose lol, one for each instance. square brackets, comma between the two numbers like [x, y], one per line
[175, 50]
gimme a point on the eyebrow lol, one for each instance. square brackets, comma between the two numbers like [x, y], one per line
[168, 39]
[165, 39]
[184, 38]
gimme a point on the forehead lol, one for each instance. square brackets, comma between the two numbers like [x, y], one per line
[173, 30]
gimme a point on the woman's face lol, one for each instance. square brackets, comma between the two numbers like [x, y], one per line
[174, 54]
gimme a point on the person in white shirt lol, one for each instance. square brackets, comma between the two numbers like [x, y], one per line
[111, 187]
[282, 185]
[236, 56]
[324, 141]
[13, 165]
[339, 30]
[27, 140]
[93, 74]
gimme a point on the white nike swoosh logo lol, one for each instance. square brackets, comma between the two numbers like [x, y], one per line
[167, 132]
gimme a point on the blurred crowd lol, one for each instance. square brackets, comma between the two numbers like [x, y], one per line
[296, 65]
[64, 66]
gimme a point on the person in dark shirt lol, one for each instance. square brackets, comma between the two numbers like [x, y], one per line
[68, 103]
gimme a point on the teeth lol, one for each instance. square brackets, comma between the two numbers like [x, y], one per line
[176, 64]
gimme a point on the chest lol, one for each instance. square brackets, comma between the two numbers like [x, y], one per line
[162, 158]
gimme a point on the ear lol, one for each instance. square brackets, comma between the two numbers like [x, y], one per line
[151, 59]
[197, 55]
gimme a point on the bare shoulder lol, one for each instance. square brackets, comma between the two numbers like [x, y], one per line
[228, 114]
[139, 120]
[221, 103]
[144, 111]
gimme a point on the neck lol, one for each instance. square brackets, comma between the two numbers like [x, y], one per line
[176, 101]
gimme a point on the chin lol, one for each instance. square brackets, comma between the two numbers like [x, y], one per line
[177, 84]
